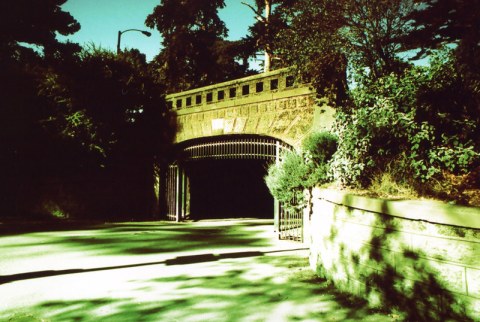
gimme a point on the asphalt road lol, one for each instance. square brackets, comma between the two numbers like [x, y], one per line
[233, 270]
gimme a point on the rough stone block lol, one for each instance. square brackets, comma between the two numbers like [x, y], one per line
[265, 124]
[302, 101]
[354, 235]
[229, 113]
[460, 251]
[473, 282]
[239, 124]
[450, 276]
[206, 128]
[271, 106]
[253, 108]
[292, 103]
[473, 308]
[244, 111]
[392, 240]
[365, 273]
[262, 108]
[228, 125]
[251, 126]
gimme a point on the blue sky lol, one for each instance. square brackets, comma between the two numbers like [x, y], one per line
[101, 20]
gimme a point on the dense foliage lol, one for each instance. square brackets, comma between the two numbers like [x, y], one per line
[35, 23]
[428, 114]
[81, 130]
[84, 127]
[296, 172]
[417, 125]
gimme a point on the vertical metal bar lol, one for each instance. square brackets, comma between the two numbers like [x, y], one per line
[171, 192]
[277, 207]
[184, 194]
[178, 193]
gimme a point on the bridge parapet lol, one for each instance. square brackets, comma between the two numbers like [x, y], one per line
[271, 104]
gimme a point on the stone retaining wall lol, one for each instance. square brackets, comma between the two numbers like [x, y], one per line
[423, 257]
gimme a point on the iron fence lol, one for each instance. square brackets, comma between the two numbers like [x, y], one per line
[171, 192]
[242, 148]
[290, 224]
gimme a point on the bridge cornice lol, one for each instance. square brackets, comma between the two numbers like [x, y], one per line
[248, 79]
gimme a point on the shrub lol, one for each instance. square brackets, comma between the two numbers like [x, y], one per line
[286, 179]
[319, 147]
[317, 150]
[296, 172]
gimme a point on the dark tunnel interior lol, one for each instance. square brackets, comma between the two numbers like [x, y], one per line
[229, 189]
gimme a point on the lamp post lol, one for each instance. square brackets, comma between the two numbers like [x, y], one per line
[146, 33]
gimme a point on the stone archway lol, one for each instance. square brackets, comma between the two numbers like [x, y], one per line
[217, 170]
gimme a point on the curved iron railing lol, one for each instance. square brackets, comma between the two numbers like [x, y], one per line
[234, 148]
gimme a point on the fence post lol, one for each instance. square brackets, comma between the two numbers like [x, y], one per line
[276, 203]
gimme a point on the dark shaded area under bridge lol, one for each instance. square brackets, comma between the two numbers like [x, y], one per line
[229, 188]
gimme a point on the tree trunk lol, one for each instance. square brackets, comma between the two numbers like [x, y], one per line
[268, 58]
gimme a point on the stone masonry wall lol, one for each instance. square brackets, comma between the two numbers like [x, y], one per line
[288, 119]
[423, 257]
[287, 111]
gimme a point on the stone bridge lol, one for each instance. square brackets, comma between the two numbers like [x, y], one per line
[269, 104]
[228, 134]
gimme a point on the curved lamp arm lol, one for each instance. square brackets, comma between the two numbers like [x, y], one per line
[146, 33]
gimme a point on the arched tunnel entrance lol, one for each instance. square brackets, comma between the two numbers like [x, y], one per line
[229, 188]
[223, 177]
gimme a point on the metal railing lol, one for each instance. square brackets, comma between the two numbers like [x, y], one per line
[236, 148]
[171, 192]
[290, 224]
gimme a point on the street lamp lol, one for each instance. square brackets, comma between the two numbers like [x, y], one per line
[146, 33]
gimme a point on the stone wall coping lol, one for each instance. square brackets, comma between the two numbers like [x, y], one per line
[228, 83]
[425, 210]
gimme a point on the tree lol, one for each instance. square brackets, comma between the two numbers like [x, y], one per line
[373, 32]
[263, 33]
[112, 122]
[324, 37]
[311, 43]
[440, 22]
[454, 22]
[261, 30]
[25, 146]
[33, 22]
[194, 47]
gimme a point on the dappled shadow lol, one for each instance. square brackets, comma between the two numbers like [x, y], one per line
[148, 238]
[178, 260]
[265, 288]
[8, 228]
[168, 239]
[377, 262]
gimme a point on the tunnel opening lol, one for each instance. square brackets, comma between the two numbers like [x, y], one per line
[229, 188]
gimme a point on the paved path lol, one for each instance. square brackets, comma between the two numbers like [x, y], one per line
[230, 270]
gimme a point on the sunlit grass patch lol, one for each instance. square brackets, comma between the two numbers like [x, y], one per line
[26, 317]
